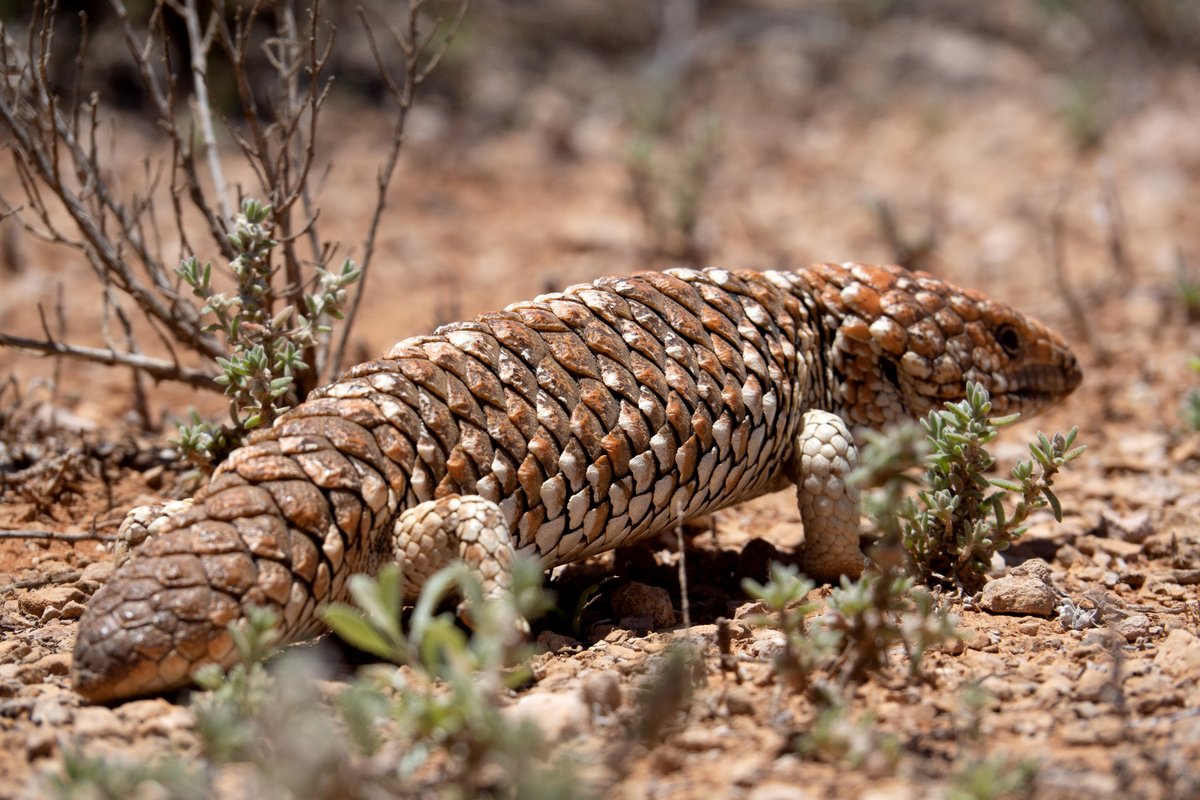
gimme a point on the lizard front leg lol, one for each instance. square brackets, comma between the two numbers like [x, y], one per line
[469, 528]
[829, 505]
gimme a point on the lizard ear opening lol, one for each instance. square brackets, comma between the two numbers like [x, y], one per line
[890, 373]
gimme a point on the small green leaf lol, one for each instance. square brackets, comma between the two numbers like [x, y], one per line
[351, 626]
[1054, 504]
[959, 412]
[432, 594]
[281, 319]
[209, 677]
[1074, 454]
[378, 604]
[391, 589]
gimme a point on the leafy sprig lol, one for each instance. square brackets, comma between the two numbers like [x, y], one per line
[958, 520]
[265, 345]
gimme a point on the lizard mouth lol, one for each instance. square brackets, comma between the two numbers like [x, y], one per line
[1033, 397]
[1038, 385]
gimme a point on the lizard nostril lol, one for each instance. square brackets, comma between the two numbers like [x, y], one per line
[1074, 373]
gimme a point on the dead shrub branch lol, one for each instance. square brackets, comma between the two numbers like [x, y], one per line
[71, 192]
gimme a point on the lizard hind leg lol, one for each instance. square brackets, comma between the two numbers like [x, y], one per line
[829, 504]
[469, 528]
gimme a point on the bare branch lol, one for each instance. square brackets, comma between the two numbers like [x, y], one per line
[200, 107]
[63, 162]
[1114, 219]
[141, 403]
[158, 369]
[41, 580]
[164, 105]
[403, 95]
[60, 536]
[1057, 254]
[79, 70]
[41, 158]
[235, 44]
[436, 58]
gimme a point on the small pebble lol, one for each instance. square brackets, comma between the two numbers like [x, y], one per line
[738, 702]
[559, 715]
[1133, 627]
[1179, 654]
[40, 743]
[602, 691]
[1092, 684]
[642, 601]
[93, 722]
[1019, 594]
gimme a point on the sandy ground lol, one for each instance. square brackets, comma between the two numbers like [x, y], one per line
[967, 134]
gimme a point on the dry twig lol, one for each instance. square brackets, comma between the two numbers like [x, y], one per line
[1057, 254]
[419, 62]
[70, 192]
[40, 581]
[59, 536]
[156, 368]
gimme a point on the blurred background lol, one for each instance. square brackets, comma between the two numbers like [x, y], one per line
[1043, 150]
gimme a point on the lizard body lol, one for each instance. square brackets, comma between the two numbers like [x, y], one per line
[562, 427]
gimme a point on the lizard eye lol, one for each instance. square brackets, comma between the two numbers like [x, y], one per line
[1009, 339]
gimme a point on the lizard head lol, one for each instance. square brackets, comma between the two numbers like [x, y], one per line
[900, 344]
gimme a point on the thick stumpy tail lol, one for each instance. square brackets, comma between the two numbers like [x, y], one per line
[282, 525]
[153, 624]
[166, 611]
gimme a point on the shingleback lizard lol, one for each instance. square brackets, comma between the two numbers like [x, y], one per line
[561, 427]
